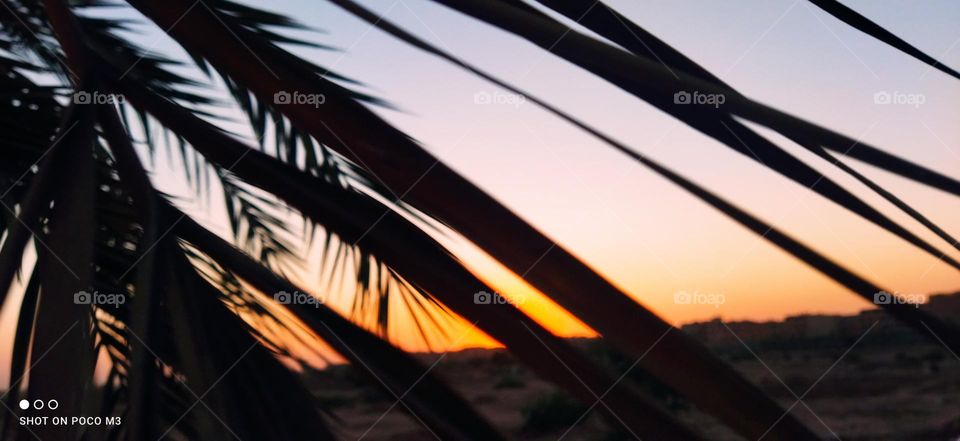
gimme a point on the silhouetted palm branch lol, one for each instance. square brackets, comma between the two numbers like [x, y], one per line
[198, 351]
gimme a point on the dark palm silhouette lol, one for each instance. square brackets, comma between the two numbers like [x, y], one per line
[189, 354]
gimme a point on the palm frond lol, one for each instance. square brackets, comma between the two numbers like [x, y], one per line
[384, 364]
[20, 226]
[608, 23]
[348, 330]
[251, 410]
[714, 122]
[250, 220]
[226, 152]
[514, 242]
[352, 215]
[339, 167]
[65, 269]
[27, 34]
[603, 23]
[19, 357]
[863, 24]
[186, 358]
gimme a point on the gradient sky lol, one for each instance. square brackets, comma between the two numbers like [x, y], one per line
[642, 232]
[646, 235]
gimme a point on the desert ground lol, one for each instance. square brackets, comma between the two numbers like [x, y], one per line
[891, 385]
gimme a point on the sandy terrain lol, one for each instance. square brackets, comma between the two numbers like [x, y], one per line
[884, 388]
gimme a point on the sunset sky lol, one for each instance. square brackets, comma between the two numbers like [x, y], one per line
[643, 233]
[648, 236]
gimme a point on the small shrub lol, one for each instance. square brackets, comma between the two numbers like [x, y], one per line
[510, 380]
[333, 401]
[551, 412]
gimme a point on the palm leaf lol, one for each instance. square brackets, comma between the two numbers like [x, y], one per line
[386, 365]
[228, 382]
[352, 215]
[361, 229]
[143, 379]
[515, 243]
[606, 22]
[62, 337]
[455, 418]
[19, 357]
[206, 137]
[601, 19]
[40, 141]
[581, 50]
[863, 24]
[186, 294]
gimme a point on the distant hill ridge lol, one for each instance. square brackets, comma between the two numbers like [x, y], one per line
[812, 329]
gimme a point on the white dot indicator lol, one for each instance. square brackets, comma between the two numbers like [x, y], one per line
[24, 404]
